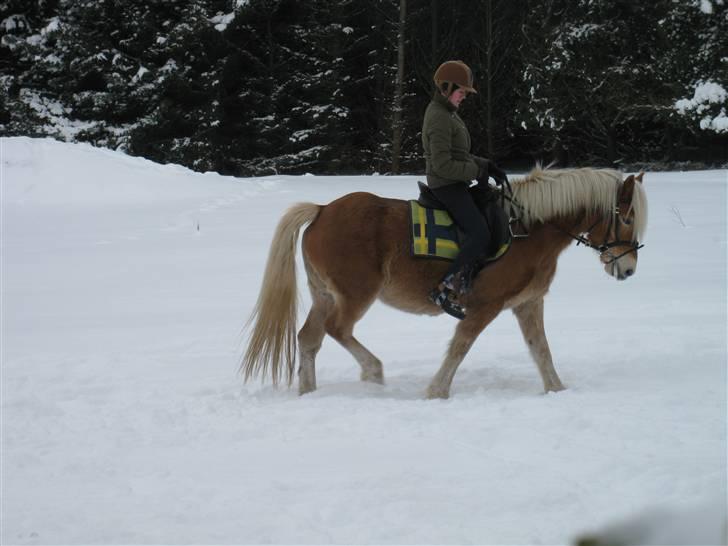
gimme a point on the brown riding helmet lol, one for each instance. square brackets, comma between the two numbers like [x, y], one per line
[454, 73]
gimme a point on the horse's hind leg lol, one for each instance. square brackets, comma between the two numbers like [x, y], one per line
[310, 337]
[530, 319]
[340, 325]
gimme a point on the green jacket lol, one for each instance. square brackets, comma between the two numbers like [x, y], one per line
[446, 141]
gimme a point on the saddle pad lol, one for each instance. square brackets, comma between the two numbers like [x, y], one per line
[434, 234]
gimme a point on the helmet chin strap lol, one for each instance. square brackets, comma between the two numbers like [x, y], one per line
[447, 90]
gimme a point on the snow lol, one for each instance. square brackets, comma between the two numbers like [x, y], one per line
[52, 59]
[222, 20]
[719, 123]
[54, 113]
[140, 73]
[125, 285]
[53, 25]
[14, 22]
[303, 134]
[706, 94]
[169, 67]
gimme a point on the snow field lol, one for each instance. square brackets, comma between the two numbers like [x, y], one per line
[125, 285]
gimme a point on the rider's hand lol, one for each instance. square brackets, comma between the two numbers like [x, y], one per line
[488, 169]
[497, 174]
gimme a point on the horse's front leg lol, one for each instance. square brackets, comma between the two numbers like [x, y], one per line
[466, 333]
[530, 319]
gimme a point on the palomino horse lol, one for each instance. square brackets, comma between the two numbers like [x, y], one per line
[356, 249]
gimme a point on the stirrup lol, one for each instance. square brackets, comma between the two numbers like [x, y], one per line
[445, 299]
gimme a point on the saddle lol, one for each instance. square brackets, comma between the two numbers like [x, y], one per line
[435, 235]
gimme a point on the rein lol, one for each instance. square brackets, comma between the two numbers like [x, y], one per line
[506, 192]
[583, 238]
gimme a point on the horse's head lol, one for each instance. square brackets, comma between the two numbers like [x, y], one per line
[617, 237]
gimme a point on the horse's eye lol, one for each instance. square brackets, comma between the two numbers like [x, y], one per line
[627, 221]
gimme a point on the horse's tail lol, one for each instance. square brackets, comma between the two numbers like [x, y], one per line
[273, 338]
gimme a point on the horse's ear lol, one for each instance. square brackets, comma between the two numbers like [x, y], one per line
[625, 193]
[638, 178]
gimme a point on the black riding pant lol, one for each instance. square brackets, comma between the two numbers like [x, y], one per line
[465, 213]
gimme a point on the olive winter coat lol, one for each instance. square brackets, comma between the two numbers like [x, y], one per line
[446, 141]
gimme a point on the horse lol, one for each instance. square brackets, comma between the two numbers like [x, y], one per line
[356, 250]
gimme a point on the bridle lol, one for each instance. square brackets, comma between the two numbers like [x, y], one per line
[605, 248]
[583, 238]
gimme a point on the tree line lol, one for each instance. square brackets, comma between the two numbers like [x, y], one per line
[254, 87]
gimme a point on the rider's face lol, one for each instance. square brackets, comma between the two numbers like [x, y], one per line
[457, 97]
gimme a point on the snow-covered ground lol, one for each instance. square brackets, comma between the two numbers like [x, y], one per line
[125, 285]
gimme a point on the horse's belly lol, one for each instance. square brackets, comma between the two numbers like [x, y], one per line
[416, 303]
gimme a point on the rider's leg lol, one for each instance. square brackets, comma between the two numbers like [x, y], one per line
[467, 216]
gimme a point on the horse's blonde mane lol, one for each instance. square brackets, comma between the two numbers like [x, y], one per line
[548, 193]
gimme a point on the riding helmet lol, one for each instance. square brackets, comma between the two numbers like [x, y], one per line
[454, 72]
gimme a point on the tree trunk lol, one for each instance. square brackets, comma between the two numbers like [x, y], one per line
[399, 90]
[433, 35]
[489, 78]
[611, 145]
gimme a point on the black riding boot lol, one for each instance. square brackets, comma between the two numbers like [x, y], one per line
[445, 297]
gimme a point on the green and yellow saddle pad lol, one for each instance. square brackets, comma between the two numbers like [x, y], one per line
[434, 234]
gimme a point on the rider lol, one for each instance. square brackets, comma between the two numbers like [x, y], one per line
[450, 167]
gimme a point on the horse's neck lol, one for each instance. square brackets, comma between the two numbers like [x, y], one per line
[559, 232]
[575, 223]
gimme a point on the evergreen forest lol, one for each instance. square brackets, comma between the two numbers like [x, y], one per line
[257, 87]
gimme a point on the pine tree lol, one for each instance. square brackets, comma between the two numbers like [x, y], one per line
[182, 124]
[28, 30]
[603, 77]
[249, 87]
[698, 66]
[370, 65]
[281, 89]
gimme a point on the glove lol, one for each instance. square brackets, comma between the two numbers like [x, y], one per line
[497, 174]
[488, 169]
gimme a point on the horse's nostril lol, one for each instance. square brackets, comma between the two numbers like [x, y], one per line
[629, 272]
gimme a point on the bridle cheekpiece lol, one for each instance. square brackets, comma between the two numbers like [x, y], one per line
[605, 248]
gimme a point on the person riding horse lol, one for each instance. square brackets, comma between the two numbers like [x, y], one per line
[450, 167]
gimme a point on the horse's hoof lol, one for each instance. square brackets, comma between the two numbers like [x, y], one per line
[305, 389]
[377, 378]
[555, 388]
[434, 394]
